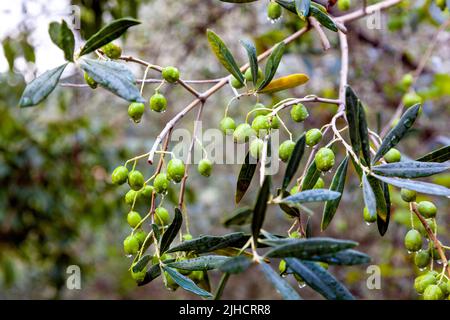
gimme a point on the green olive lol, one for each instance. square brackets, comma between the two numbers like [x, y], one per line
[175, 170]
[427, 209]
[324, 159]
[119, 175]
[161, 183]
[135, 180]
[413, 240]
[393, 155]
[112, 50]
[205, 167]
[285, 150]
[158, 102]
[171, 74]
[133, 219]
[162, 217]
[299, 113]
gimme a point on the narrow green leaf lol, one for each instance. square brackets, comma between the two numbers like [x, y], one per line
[398, 132]
[419, 186]
[142, 263]
[39, 89]
[153, 273]
[186, 283]
[311, 177]
[411, 169]
[210, 243]
[323, 18]
[316, 195]
[352, 115]
[272, 64]
[259, 211]
[108, 33]
[171, 231]
[294, 160]
[286, 291]
[156, 231]
[288, 5]
[236, 265]
[200, 263]
[309, 228]
[348, 257]
[62, 36]
[292, 211]
[306, 248]
[364, 134]
[113, 76]
[252, 58]
[319, 279]
[302, 7]
[224, 55]
[439, 155]
[337, 184]
[245, 178]
[384, 224]
[239, 217]
[379, 197]
[369, 196]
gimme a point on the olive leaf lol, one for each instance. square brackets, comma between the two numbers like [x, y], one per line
[348, 257]
[410, 169]
[200, 263]
[108, 33]
[384, 224]
[171, 232]
[238, 217]
[113, 76]
[319, 279]
[316, 195]
[302, 8]
[210, 243]
[286, 291]
[380, 199]
[323, 18]
[363, 133]
[39, 89]
[245, 178]
[272, 64]
[352, 115]
[285, 83]
[259, 211]
[62, 36]
[153, 273]
[311, 177]
[369, 196]
[292, 211]
[186, 283]
[337, 184]
[294, 160]
[224, 55]
[306, 248]
[398, 132]
[419, 186]
[236, 265]
[142, 263]
[252, 58]
[439, 155]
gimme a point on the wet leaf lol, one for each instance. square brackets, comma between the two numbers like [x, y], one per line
[294, 160]
[419, 186]
[252, 58]
[239, 217]
[259, 211]
[272, 65]
[186, 283]
[245, 178]
[200, 263]
[410, 169]
[236, 265]
[171, 232]
[286, 291]
[62, 36]
[439, 155]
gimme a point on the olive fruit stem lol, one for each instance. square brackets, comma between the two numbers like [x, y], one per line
[145, 77]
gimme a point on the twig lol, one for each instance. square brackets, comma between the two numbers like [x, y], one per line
[323, 37]
[360, 13]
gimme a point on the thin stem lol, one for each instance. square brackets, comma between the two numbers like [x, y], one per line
[323, 37]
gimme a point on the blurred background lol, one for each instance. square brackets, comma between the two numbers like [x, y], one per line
[57, 206]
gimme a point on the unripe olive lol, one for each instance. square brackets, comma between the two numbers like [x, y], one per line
[444, 286]
[135, 180]
[282, 267]
[112, 50]
[248, 74]
[205, 167]
[161, 183]
[235, 83]
[413, 240]
[408, 195]
[427, 209]
[442, 4]
[130, 196]
[433, 292]
[369, 217]
[313, 137]
[141, 235]
[295, 235]
[299, 113]
[90, 81]
[146, 192]
[423, 281]
[135, 111]
[175, 170]
[422, 258]
[197, 276]
[344, 5]
[407, 80]
[187, 237]
[294, 190]
[256, 147]
[258, 112]
[119, 175]
[171, 74]
[261, 123]
[227, 125]
[243, 133]
[324, 159]
[274, 122]
[133, 218]
[285, 150]
[410, 99]
[131, 245]
[138, 276]
[274, 11]
[164, 257]
[393, 155]
[323, 265]
[431, 223]
[158, 102]
[435, 254]
[170, 283]
[319, 184]
[162, 217]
